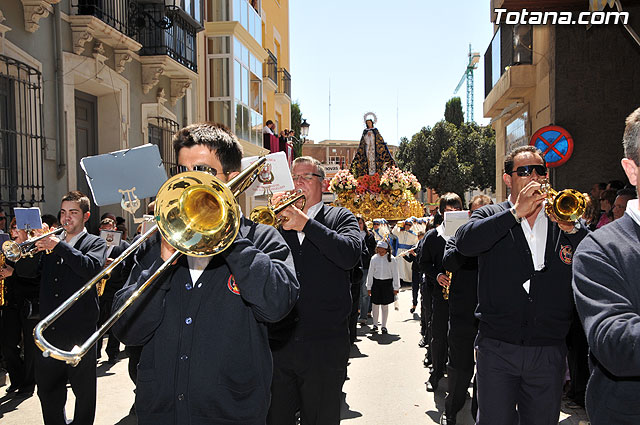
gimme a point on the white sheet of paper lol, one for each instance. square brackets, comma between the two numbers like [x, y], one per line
[275, 175]
[113, 237]
[453, 220]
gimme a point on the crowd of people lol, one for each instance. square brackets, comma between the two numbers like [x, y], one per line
[517, 301]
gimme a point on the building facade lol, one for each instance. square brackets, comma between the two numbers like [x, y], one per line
[577, 77]
[247, 80]
[87, 77]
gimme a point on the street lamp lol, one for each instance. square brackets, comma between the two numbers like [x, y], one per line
[304, 129]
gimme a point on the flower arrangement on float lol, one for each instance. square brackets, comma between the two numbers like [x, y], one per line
[390, 195]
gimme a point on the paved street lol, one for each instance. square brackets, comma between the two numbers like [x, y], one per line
[386, 385]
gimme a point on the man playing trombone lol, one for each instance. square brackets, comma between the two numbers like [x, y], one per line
[205, 355]
[73, 260]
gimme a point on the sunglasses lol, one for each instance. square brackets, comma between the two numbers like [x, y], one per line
[527, 170]
[183, 169]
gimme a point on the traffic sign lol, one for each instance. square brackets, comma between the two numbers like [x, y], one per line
[555, 143]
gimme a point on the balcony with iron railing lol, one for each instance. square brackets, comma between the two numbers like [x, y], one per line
[270, 69]
[176, 39]
[508, 67]
[284, 82]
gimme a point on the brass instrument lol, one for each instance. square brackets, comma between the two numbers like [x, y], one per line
[445, 289]
[3, 289]
[268, 214]
[566, 206]
[101, 285]
[196, 214]
[15, 251]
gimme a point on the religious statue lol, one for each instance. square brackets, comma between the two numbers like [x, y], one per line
[373, 155]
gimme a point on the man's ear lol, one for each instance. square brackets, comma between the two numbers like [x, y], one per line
[232, 174]
[631, 170]
[85, 216]
[506, 178]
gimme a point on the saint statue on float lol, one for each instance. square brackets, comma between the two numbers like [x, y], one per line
[373, 154]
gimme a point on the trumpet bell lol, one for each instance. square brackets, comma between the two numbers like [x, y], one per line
[569, 205]
[12, 251]
[197, 214]
[263, 214]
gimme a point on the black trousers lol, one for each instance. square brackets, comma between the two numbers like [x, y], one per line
[439, 328]
[17, 331]
[416, 283]
[462, 335]
[113, 345]
[426, 289]
[52, 377]
[578, 360]
[308, 376]
[518, 384]
[353, 317]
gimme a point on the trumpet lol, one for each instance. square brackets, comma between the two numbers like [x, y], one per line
[15, 251]
[445, 290]
[268, 214]
[3, 289]
[566, 206]
[195, 213]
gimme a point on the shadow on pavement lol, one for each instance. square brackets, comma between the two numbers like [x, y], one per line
[9, 403]
[384, 339]
[345, 410]
[356, 353]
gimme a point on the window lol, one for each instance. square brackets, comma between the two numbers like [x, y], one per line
[21, 138]
[161, 131]
[517, 133]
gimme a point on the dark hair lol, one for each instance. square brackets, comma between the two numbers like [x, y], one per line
[508, 160]
[218, 138]
[449, 199]
[616, 184]
[602, 186]
[50, 219]
[112, 216]
[77, 196]
[631, 137]
[592, 211]
[627, 192]
[268, 122]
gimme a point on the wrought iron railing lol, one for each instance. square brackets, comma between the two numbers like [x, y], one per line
[161, 131]
[271, 67]
[115, 13]
[21, 134]
[178, 41]
[284, 82]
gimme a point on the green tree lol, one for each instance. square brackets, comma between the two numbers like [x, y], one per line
[453, 112]
[449, 174]
[296, 120]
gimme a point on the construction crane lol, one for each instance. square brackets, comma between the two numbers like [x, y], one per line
[474, 58]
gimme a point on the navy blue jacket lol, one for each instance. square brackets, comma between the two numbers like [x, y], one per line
[605, 281]
[505, 310]
[206, 356]
[331, 247]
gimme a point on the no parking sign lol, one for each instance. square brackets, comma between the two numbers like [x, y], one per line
[555, 143]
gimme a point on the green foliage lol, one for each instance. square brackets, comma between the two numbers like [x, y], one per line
[453, 112]
[447, 158]
[296, 120]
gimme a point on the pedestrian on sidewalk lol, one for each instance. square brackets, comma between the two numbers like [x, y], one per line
[383, 283]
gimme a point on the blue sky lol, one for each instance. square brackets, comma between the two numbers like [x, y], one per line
[404, 56]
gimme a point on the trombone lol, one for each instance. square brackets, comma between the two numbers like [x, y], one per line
[268, 214]
[195, 213]
[15, 251]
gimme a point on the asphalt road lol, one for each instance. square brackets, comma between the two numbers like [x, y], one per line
[386, 384]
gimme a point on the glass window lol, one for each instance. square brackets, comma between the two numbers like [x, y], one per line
[255, 93]
[243, 14]
[236, 9]
[237, 76]
[496, 68]
[197, 9]
[245, 85]
[219, 77]
[217, 45]
[258, 35]
[256, 128]
[220, 112]
[218, 10]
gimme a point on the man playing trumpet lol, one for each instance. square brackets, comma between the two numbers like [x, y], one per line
[525, 301]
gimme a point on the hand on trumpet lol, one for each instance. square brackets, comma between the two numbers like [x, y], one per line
[46, 244]
[563, 225]
[443, 280]
[529, 199]
[293, 218]
[5, 271]
[166, 251]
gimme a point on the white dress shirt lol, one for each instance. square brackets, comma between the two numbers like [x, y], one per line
[381, 268]
[311, 213]
[633, 211]
[537, 239]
